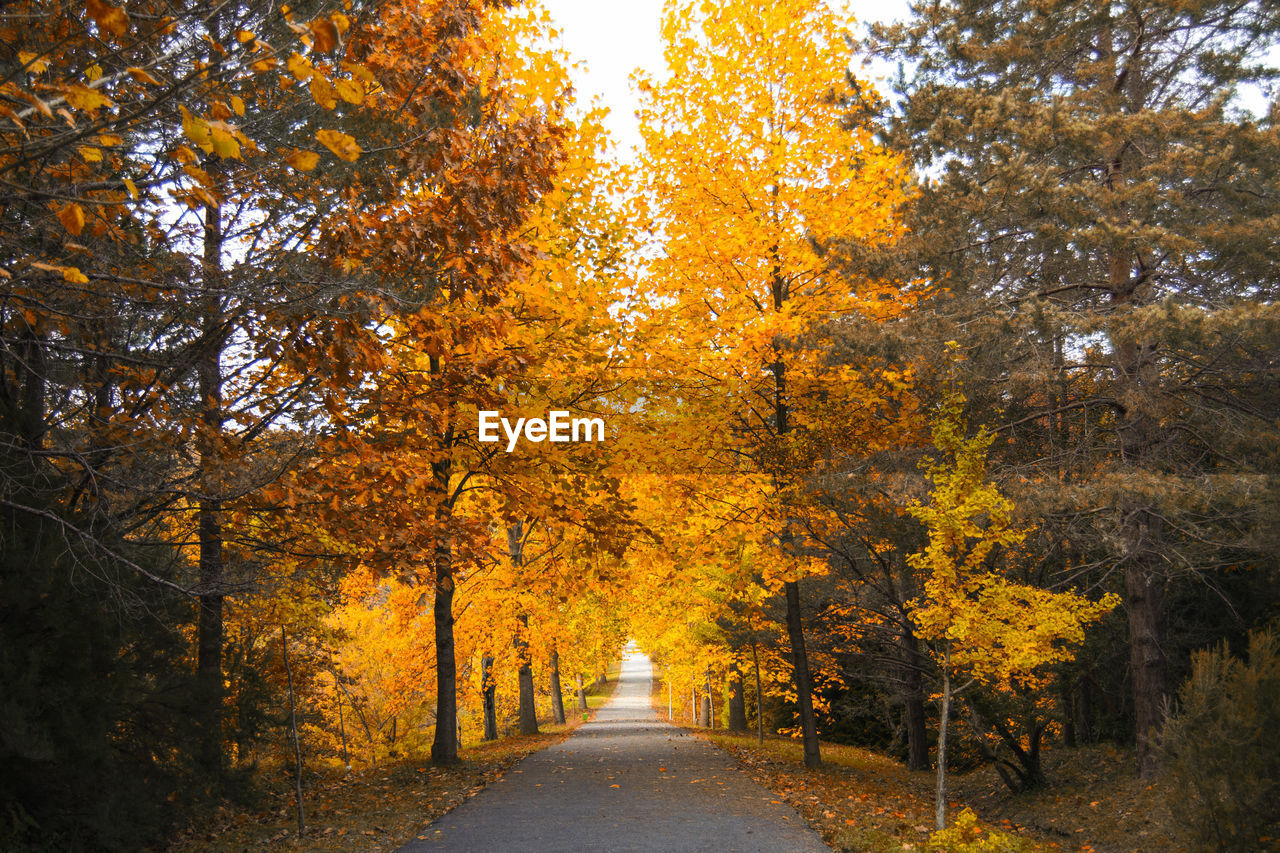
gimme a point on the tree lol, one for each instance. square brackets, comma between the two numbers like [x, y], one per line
[980, 625]
[748, 175]
[1099, 205]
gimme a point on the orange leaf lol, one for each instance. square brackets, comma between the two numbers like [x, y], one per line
[84, 98]
[303, 161]
[342, 145]
[322, 92]
[109, 18]
[350, 91]
[324, 35]
[72, 219]
[142, 76]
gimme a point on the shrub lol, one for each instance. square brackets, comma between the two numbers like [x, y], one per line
[1222, 749]
[966, 836]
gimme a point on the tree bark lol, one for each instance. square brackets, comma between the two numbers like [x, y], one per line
[755, 659]
[1141, 532]
[557, 698]
[293, 728]
[528, 706]
[1144, 597]
[444, 745]
[795, 630]
[944, 708]
[737, 701]
[917, 722]
[489, 695]
[342, 722]
[582, 694]
[209, 629]
[803, 682]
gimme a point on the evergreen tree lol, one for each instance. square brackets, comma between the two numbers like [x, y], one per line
[1099, 205]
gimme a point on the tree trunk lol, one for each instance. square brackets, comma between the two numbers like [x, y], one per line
[917, 722]
[737, 701]
[704, 715]
[755, 659]
[1144, 598]
[582, 694]
[528, 708]
[444, 745]
[917, 733]
[557, 698]
[795, 630]
[293, 728]
[711, 707]
[940, 796]
[1141, 532]
[342, 723]
[800, 674]
[209, 629]
[489, 692]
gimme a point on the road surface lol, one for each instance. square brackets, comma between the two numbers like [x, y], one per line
[627, 781]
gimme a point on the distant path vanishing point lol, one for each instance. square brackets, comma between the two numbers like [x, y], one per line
[626, 781]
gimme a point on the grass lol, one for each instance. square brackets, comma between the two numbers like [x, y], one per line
[381, 808]
[860, 800]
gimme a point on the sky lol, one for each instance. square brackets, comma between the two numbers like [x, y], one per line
[614, 37]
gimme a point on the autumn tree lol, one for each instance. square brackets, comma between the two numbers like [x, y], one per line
[153, 215]
[981, 626]
[748, 174]
[1102, 182]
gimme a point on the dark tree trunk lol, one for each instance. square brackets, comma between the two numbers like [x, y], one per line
[917, 722]
[293, 729]
[803, 681]
[490, 698]
[342, 722]
[755, 660]
[1141, 532]
[528, 709]
[1144, 597]
[444, 744]
[557, 698]
[737, 701]
[795, 629]
[209, 629]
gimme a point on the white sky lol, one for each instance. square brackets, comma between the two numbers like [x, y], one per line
[615, 37]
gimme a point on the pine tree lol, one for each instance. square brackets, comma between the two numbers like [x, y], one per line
[1100, 206]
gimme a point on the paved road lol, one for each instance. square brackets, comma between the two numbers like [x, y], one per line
[626, 781]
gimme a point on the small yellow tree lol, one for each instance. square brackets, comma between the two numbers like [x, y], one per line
[981, 626]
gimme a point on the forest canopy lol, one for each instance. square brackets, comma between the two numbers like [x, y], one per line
[949, 409]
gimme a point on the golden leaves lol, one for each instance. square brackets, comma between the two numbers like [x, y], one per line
[84, 98]
[110, 19]
[197, 130]
[350, 91]
[343, 146]
[212, 137]
[303, 161]
[324, 34]
[72, 218]
[299, 66]
[322, 92]
[34, 62]
[224, 142]
[69, 274]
